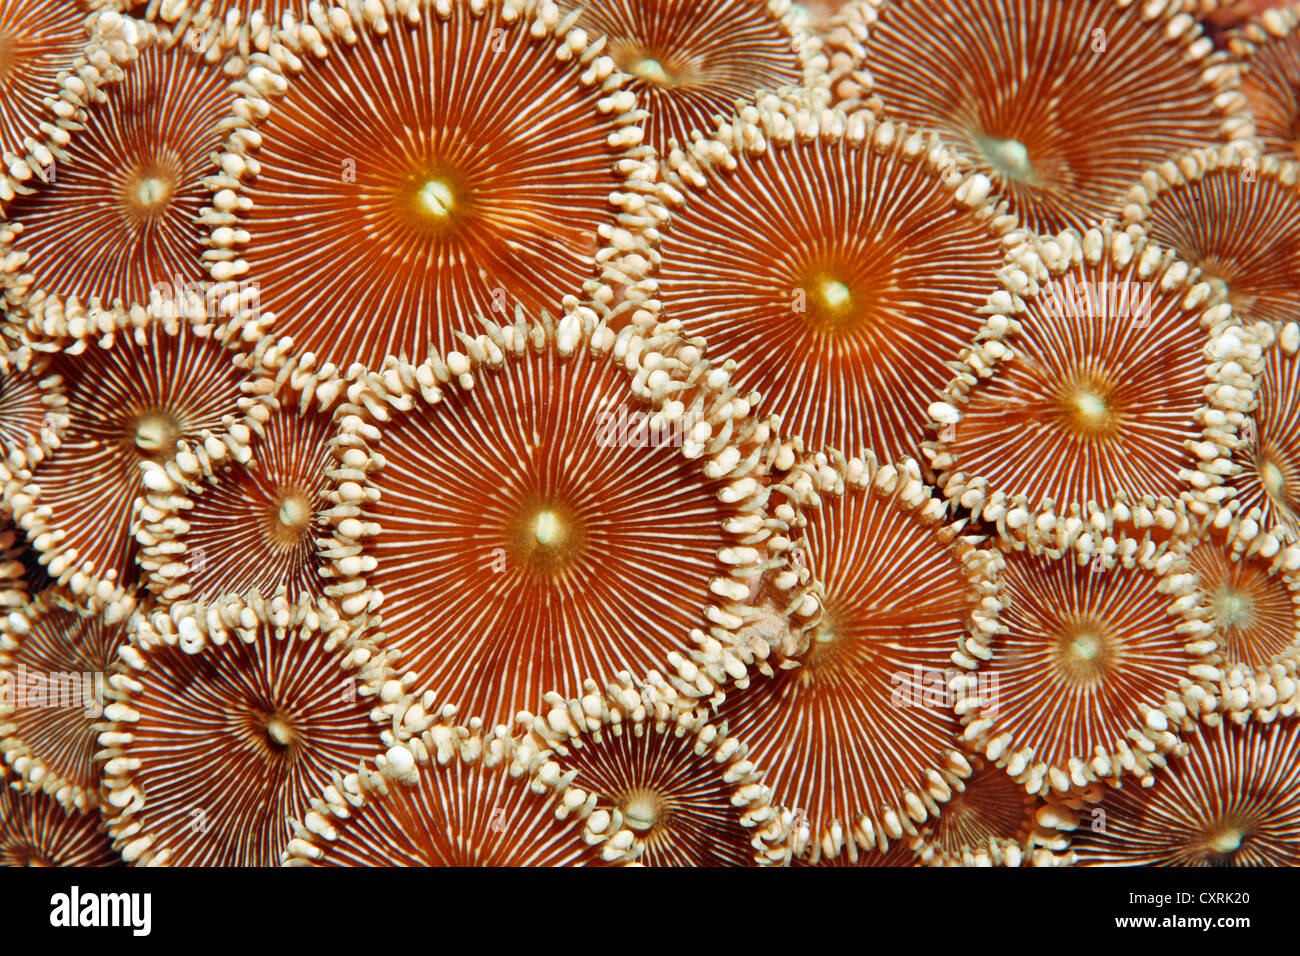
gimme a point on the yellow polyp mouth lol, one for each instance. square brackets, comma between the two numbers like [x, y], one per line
[291, 516]
[436, 199]
[149, 191]
[150, 434]
[1233, 608]
[155, 434]
[1274, 480]
[1271, 477]
[834, 644]
[547, 538]
[1085, 648]
[833, 305]
[1226, 841]
[835, 295]
[1009, 158]
[1089, 409]
[432, 198]
[153, 192]
[652, 71]
[642, 809]
[280, 733]
[1084, 653]
[548, 529]
[651, 66]
[293, 512]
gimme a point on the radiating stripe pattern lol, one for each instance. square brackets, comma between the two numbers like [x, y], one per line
[1099, 397]
[36, 831]
[1082, 651]
[255, 526]
[38, 40]
[868, 715]
[1242, 228]
[13, 566]
[29, 577]
[59, 662]
[1255, 615]
[697, 809]
[426, 177]
[1233, 800]
[993, 808]
[1064, 104]
[692, 60]
[460, 813]
[183, 384]
[1268, 457]
[234, 740]
[747, 260]
[487, 617]
[22, 414]
[121, 215]
[1271, 86]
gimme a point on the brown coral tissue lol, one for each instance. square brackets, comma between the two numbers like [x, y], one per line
[648, 433]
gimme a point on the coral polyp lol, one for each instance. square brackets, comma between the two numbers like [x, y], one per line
[1270, 52]
[236, 734]
[152, 388]
[1086, 679]
[55, 657]
[533, 484]
[466, 195]
[1228, 799]
[1262, 483]
[859, 737]
[683, 791]
[1118, 373]
[1235, 217]
[470, 800]
[36, 831]
[690, 61]
[1143, 84]
[842, 273]
[132, 183]
[252, 525]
